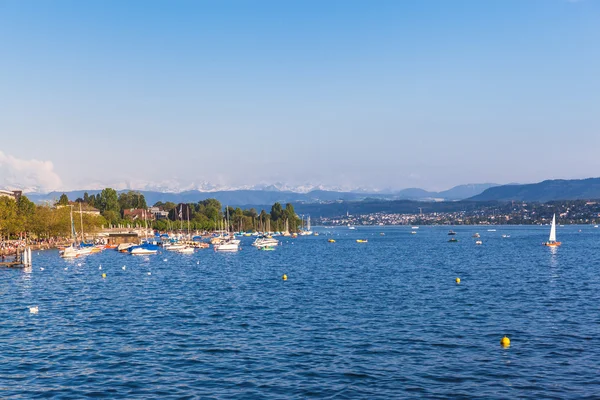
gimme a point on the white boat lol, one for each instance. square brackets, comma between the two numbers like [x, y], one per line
[491, 230]
[186, 250]
[415, 227]
[229, 246]
[124, 246]
[84, 251]
[351, 228]
[70, 252]
[552, 239]
[265, 242]
[140, 251]
[174, 247]
[478, 242]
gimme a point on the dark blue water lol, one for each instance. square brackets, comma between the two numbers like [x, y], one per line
[383, 319]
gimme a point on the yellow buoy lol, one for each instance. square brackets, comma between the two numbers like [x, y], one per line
[284, 277]
[505, 342]
[104, 275]
[457, 280]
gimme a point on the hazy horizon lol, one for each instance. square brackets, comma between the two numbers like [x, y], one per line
[346, 94]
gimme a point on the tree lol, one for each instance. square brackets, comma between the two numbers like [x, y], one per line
[8, 216]
[108, 201]
[276, 212]
[63, 200]
[25, 211]
[131, 200]
[111, 216]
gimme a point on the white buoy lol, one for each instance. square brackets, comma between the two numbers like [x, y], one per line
[79, 264]
[100, 267]
[34, 309]
[124, 268]
[66, 268]
[165, 260]
[149, 273]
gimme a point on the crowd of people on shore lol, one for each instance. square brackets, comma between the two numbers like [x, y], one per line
[10, 247]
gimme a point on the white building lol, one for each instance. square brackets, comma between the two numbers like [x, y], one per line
[13, 194]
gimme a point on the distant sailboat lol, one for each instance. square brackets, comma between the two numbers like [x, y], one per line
[552, 239]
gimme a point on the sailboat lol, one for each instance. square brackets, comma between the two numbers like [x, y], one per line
[230, 244]
[552, 239]
[144, 248]
[71, 251]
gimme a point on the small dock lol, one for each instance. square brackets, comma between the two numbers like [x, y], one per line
[12, 264]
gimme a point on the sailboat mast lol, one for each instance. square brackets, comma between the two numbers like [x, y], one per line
[81, 217]
[73, 233]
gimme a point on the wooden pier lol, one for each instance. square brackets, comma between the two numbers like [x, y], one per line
[16, 262]
[12, 264]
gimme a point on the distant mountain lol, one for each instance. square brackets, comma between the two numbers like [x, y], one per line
[266, 196]
[465, 191]
[558, 189]
[456, 193]
[228, 197]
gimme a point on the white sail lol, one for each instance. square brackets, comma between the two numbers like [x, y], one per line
[553, 230]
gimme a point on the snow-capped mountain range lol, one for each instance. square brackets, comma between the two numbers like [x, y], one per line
[174, 186]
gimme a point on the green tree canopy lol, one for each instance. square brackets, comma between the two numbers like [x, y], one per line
[108, 201]
[132, 199]
[276, 212]
[63, 200]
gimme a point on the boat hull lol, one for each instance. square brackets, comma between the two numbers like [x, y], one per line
[552, 244]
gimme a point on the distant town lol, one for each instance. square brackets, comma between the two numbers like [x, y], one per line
[511, 213]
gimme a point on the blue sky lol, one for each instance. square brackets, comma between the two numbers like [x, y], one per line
[347, 93]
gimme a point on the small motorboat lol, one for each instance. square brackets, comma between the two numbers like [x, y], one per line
[331, 240]
[362, 241]
[451, 233]
[453, 240]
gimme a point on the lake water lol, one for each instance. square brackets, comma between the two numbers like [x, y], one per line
[383, 319]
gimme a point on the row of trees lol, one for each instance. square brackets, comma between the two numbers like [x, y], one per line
[207, 214]
[23, 217]
[110, 204]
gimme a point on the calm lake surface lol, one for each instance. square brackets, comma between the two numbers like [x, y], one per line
[384, 319]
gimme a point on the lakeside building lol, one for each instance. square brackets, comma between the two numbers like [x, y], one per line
[158, 213]
[13, 194]
[138, 214]
[115, 239]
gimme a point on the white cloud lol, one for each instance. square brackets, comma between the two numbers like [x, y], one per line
[28, 174]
